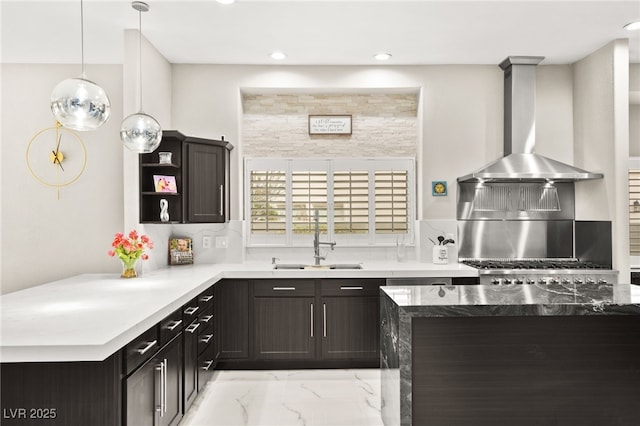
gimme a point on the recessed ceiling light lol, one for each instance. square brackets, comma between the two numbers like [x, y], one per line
[226, 1]
[632, 26]
[382, 56]
[278, 56]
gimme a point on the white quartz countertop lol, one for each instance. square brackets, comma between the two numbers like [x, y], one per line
[89, 317]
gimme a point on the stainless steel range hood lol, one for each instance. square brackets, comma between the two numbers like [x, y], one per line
[520, 163]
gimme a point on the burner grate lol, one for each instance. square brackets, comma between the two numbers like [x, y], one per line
[533, 264]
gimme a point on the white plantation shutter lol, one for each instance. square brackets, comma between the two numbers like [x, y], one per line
[308, 193]
[360, 201]
[391, 201]
[268, 201]
[351, 202]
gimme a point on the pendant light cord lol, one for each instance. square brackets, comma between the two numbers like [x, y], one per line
[82, 37]
[140, 53]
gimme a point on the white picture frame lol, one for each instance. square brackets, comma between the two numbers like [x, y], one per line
[329, 124]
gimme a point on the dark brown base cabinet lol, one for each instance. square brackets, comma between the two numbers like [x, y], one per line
[234, 324]
[232, 319]
[154, 391]
[149, 382]
[350, 320]
[293, 323]
[284, 319]
[62, 393]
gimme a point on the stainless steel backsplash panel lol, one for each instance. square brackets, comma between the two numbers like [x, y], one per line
[515, 239]
[515, 201]
[594, 241]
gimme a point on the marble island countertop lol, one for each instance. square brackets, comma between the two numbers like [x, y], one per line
[89, 317]
[523, 299]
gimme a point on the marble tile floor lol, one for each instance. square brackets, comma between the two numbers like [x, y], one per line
[288, 397]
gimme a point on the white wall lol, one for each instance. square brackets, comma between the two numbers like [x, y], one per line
[601, 114]
[43, 238]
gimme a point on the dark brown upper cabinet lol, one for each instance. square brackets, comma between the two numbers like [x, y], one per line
[200, 169]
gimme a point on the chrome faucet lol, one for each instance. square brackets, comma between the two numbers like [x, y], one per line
[316, 240]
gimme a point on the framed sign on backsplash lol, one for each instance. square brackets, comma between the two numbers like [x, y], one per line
[329, 124]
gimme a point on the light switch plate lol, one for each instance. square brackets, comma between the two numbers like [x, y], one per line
[222, 242]
[206, 242]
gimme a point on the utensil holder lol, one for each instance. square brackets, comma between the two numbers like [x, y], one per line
[440, 255]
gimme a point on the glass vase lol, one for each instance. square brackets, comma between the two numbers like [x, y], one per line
[129, 269]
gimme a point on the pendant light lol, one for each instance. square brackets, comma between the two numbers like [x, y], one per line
[78, 103]
[140, 132]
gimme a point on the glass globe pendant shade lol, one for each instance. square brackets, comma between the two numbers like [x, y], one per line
[141, 133]
[80, 104]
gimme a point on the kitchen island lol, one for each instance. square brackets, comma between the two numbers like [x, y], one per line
[510, 355]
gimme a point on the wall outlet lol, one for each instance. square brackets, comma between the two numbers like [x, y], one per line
[206, 242]
[222, 242]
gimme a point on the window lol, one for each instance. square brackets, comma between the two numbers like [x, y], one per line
[359, 201]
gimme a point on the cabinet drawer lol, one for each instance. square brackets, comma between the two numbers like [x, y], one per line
[351, 287]
[206, 319]
[205, 338]
[141, 349]
[205, 300]
[206, 364]
[170, 327]
[190, 311]
[284, 288]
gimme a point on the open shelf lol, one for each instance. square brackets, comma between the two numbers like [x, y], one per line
[168, 194]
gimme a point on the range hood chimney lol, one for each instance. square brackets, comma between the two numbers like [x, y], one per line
[520, 162]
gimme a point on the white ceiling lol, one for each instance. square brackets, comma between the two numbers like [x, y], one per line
[318, 32]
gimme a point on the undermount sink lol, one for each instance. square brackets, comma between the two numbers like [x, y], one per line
[299, 266]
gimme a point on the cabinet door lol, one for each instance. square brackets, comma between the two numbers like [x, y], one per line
[154, 391]
[231, 319]
[350, 327]
[172, 358]
[284, 327]
[144, 395]
[206, 183]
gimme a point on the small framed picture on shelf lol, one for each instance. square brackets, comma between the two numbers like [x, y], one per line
[180, 251]
[165, 184]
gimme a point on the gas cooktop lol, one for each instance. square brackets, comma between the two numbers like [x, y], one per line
[546, 264]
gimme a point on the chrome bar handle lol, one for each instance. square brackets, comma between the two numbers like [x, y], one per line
[191, 310]
[284, 288]
[221, 199]
[162, 390]
[166, 367]
[207, 365]
[207, 338]
[324, 319]
[193, 327]
[174, 325]
[346, 287]
[312, 320]
[146, 348]
[206, 298]
[159, 406]
[206, 318]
